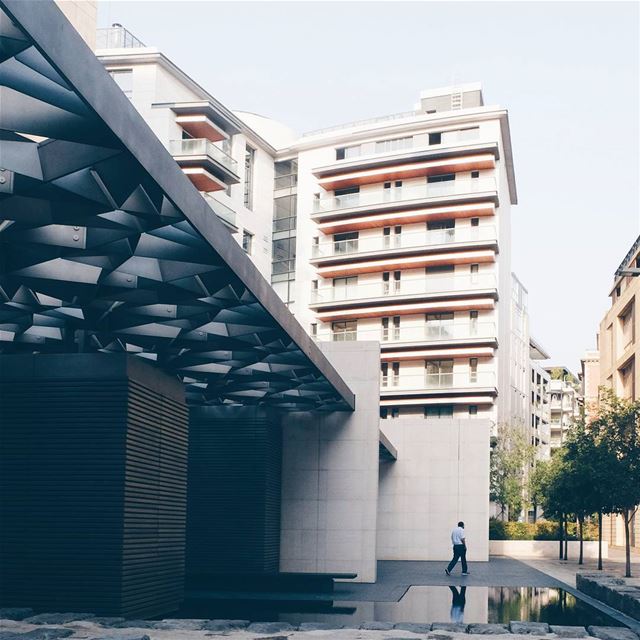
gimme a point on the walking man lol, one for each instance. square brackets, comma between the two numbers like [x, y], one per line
[459, 550]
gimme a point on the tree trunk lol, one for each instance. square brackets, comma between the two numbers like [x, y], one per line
[560, 536]
[566, 538]
[627, 543]
[580, 527]
[600, 540]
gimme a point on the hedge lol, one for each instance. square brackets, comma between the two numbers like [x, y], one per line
[541, 530]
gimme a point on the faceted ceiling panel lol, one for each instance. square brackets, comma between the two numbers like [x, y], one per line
[96, 256]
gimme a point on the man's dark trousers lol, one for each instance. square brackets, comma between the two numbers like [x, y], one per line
[459, 553]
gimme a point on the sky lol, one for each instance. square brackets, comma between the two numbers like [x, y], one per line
[568, 73]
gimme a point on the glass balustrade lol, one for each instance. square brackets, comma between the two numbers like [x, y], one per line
[406, 287]
[202, 147]
[425, 238]
[428, 332]
[429, 381]
[221, 210]
[403, 194]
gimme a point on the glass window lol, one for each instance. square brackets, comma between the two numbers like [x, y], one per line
[435, 138]
[443, 177]
[344, 330]
[124, 79]
[473, 409]
[438, 411]
[344, 153]
[247, 241]
[249, 161]
[286, 174]
[395, 144]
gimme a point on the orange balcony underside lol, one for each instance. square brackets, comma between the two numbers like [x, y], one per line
[411, 170]
[203, 180]
[408, 217]
[413, 262]
[406, 309]
[426, 354]
[199, 126]
[406, 402]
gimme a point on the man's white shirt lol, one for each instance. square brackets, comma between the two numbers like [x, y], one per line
[457, 535]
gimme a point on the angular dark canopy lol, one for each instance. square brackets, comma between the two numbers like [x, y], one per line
[106, 245]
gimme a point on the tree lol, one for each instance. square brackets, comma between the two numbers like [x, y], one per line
[618, 426]
[538, 480]
[510, 458]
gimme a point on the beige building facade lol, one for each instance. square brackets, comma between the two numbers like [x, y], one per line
[619, 357]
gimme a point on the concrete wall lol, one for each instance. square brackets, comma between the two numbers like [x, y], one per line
[544, 548]
[441, 476]
[83, 15]
[330, 475]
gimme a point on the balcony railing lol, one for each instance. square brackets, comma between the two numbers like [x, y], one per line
[407, 287]
[429, 332]
[221, 210]
[434, 381]
[116, 37]
[403, 241]
[404, 194]
[202, 147]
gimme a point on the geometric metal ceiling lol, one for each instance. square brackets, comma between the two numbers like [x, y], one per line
[106, 246]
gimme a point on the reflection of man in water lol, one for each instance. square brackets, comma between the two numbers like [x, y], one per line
[458, 600]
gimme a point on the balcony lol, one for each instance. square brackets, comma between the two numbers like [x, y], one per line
[438, 382]
[409, 288]
[225, 213]
[402, 243]
[208, 166]
[395, 337]
[407, 196]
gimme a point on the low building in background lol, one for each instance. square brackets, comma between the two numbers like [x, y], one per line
[620, 357]
[590, 381]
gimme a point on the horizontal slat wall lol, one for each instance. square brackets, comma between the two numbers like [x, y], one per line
[155, 503]
[233, 505]
[92, 491]
[62, 446]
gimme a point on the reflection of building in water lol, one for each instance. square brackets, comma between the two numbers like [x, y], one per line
[458, 601]
[434, 604]
[530, 603]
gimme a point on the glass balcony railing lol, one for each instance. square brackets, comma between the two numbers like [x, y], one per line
[116, 37]
[434, 381]
[404, 194]
[221, 210]
[403, 241]
[202, 147]
[429, 332]
[407, 287]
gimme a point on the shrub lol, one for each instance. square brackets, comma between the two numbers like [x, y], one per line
[541, 530]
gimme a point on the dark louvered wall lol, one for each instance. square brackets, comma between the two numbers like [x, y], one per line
[92, 484]
[233, 512]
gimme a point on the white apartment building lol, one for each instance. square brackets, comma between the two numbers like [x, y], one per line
[394, 230]
[563, 403]
[540, 413]
[228, 162]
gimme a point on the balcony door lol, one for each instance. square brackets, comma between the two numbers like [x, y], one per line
[391, 328]
[392, 237]
[344, 288]
[439, 373]
[439, 325]
[344, 330]
[391, 285]
[390, 374]
[441, 231]
[345, 242]
[392, 191]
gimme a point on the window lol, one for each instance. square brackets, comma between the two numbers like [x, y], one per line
[286, 174]
[249, 161]
[342, 287]
[475, 174]
[284, 213]
[247, 241]
[387, 287]
[395, 335]
[389, 412]
[446, 229]
[390, 372]
[473, 369]
[441, 224]
[439, 373]
[392, 240]
[439, 325]
[435, 138]
[473, 409]
[283, 255]
[345, 242]
[344, 330]
[436, 412]
[439, 269]
[396, 144]
[443, 177]
[475, 222]
[344, 153]
[314, 329]
[124, 79]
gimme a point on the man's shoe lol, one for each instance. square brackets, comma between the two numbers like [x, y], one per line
[464, 573]
[447, 572]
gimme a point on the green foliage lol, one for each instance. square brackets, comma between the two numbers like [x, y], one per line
[541, 530]
[510, 457]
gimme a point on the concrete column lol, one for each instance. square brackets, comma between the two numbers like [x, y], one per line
[330, 475]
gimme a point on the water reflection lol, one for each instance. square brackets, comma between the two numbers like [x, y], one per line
[458, 600]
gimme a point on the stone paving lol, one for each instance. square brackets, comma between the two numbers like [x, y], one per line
[20, 624]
